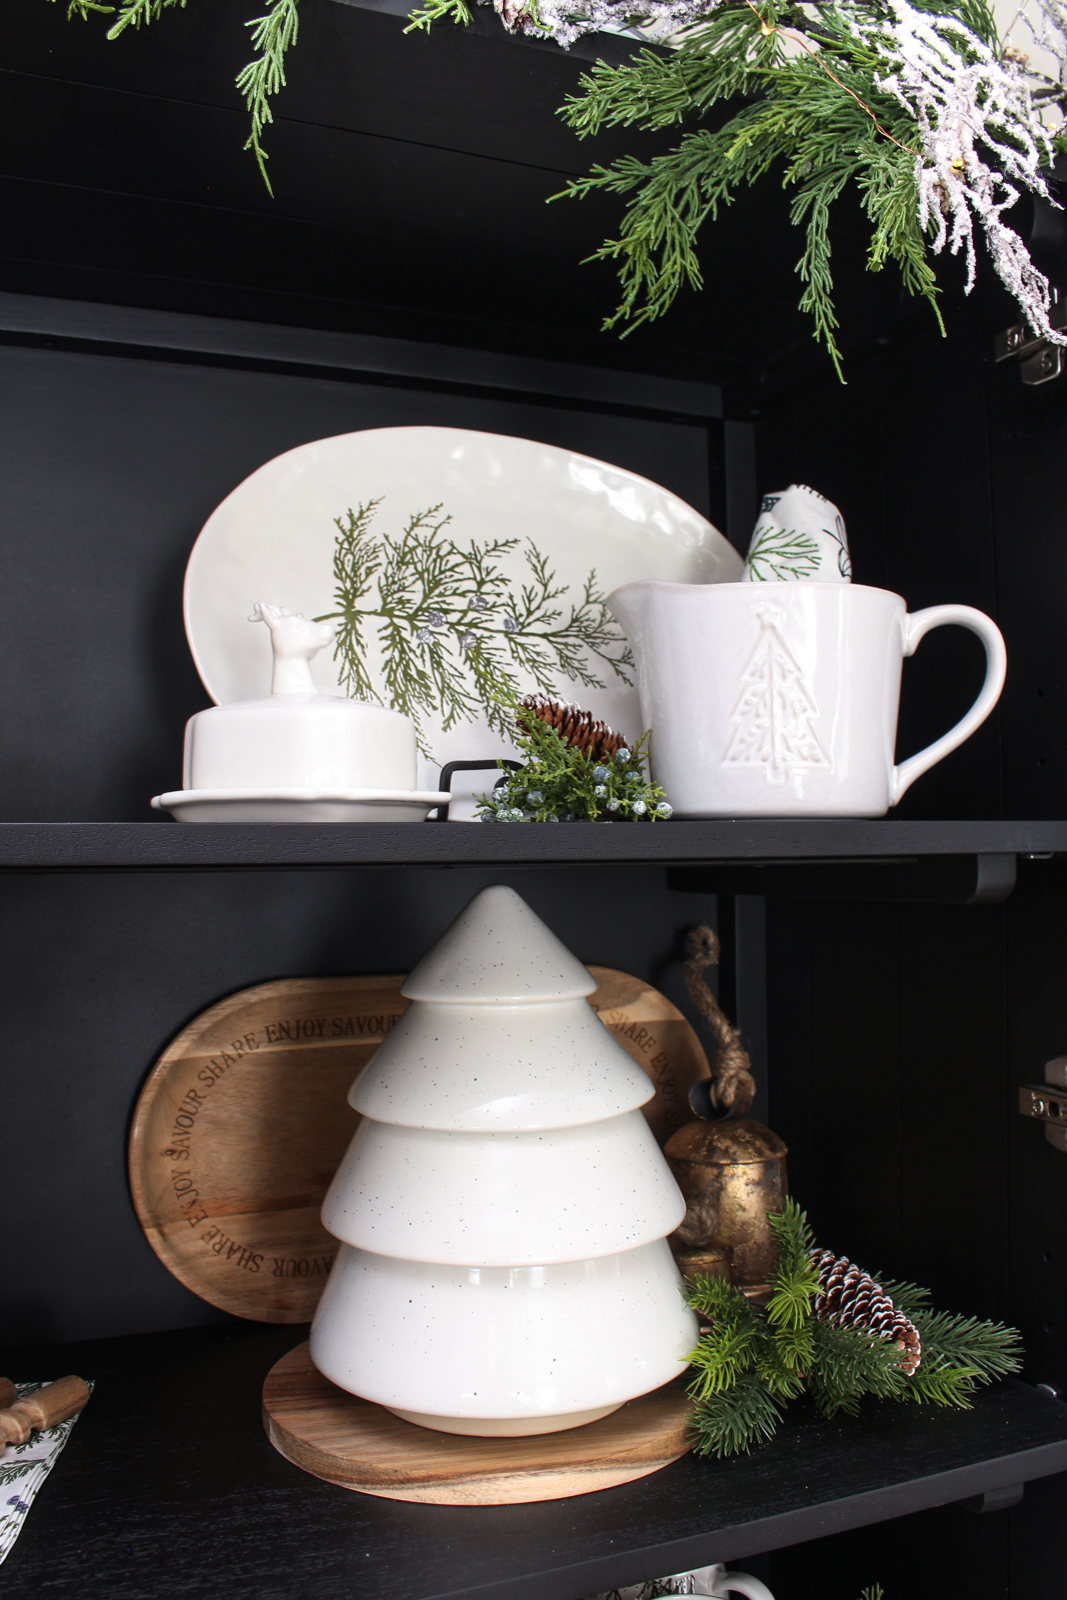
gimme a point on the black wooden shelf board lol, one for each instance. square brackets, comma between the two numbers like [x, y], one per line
[131, 328]
[169, 1488]
[78, 846]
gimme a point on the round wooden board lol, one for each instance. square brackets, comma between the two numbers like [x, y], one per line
[238, 1131]
[657, 1036]
[352, 1442]
[245, 1117]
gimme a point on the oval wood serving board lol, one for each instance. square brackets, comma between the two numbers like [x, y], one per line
[245, 1117]
[657, 1036]
[337, 1436]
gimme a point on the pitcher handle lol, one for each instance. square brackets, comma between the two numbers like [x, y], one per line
[996, 657]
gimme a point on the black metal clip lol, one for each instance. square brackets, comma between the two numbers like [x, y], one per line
[445, 780]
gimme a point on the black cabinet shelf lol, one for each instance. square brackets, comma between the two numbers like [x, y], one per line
[169, 1488]
[143, 846]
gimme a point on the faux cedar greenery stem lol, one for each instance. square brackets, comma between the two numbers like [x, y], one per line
[750, 1363]
[914, 104]
[273, 34]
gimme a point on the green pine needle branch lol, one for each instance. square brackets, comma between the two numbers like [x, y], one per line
[132, 14]
[803, 117]
[750, 1362]
[137, 13]
[457, 11]
[272, 35]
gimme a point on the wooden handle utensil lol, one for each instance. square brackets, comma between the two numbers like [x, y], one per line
[8, 1393]
[42, 1409]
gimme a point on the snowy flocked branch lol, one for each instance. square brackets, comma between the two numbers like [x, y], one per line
[981, 141]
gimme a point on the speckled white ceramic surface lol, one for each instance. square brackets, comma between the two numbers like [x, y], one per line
[503, 1341]
[499, 1199]
[504, 1427]
[504, 1208]
[497, 949]
[493, 1067]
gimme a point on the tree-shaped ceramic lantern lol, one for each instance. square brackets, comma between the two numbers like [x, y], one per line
[503, 1207]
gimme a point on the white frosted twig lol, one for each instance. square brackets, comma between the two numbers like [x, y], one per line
[566, 20]
[1046, 21]
[981, 142]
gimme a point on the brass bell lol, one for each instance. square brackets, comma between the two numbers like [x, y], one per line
[730, 1168]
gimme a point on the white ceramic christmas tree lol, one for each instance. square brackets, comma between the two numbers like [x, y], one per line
[503, 1207]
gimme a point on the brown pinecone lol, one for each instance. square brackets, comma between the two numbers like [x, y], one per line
[577, 728]
[849, 1298]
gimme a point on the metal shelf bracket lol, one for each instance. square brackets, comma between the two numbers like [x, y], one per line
[1039, 361]
[1047, 1102]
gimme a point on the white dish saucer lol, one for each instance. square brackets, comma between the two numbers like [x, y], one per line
[299, 805]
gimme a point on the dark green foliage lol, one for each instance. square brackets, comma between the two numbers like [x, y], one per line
[557, 783]
[273, 34]
[993, 1350]
[849, 1364]
[803, 116]
[730, 1423]
[750, 1361]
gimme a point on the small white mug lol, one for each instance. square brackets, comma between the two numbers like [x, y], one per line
[781, 699]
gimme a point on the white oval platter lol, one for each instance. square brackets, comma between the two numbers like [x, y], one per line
[274, 539]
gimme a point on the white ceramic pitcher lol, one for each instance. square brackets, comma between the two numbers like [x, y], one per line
[781, 699]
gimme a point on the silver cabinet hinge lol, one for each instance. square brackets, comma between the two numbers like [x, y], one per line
[1047, 1102]
[1039, 361]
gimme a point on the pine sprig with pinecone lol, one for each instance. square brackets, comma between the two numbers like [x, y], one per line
[568, 775]
[831, 1330]
[578, 729]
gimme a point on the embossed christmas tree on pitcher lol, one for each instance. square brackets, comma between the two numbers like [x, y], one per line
[773, 718]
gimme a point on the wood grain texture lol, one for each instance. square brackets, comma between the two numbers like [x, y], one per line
[53, 1403]
[245, 1116]
[346, 1440]
[655, 1034]
[239, 1130]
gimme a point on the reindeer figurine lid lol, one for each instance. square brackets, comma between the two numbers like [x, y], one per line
[298, 739]
[294, 641]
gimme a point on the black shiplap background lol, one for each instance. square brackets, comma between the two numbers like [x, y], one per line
[410, 176]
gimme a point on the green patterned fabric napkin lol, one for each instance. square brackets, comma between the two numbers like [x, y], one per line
[23, 1469]
[799, 537]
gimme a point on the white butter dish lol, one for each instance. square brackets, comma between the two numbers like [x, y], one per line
[298, 805]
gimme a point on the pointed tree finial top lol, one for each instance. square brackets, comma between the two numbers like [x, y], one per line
[498, 951]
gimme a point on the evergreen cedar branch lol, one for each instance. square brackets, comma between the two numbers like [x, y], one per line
[750, 1362]
[913, 101]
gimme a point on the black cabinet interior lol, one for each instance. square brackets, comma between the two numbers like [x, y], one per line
[236, 1520]
[410, 176]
